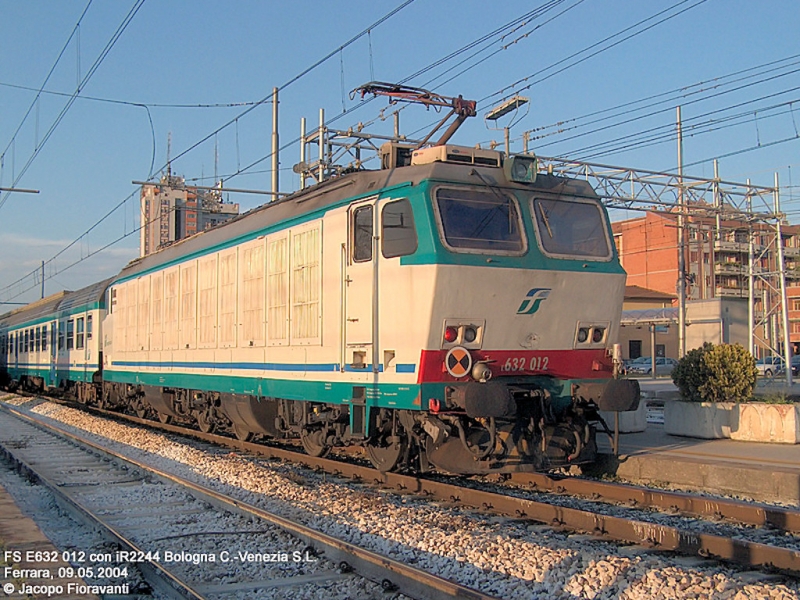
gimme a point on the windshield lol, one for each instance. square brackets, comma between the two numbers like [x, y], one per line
[571, 228]
[484, 220]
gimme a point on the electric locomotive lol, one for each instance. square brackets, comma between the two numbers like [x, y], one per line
[455, 309]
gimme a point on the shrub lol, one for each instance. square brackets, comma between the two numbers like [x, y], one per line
[716, 374]
[690, 373]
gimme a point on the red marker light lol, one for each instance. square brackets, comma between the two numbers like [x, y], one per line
[450, 334]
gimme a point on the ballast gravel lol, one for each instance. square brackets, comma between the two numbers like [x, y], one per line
[502, 557]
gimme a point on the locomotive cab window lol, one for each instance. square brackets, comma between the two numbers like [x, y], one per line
[362, 234]
[398, 234]
[571, 228]
[485, 221]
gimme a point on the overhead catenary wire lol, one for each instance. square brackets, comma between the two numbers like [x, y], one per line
[367, 31]
[596, 52]
[300, 75]
[39, 91]
[600, 49]
[86, 78]
[209, 136]
[255, 104]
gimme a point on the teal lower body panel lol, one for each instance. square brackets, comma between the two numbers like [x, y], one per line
[51, 377]
[387, 395]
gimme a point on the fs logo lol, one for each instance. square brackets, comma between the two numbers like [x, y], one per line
[532, 301]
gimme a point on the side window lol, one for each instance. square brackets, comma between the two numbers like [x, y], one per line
[44, 338]
[70, 334]
[398, 234]
[79, 333]
[37, 339]
[88, 327]
[27, 339]
[61, 335]
[362, 234]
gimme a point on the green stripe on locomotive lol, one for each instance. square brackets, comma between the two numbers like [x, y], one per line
[390, 395]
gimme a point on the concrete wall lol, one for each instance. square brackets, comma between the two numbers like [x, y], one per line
[718, 320]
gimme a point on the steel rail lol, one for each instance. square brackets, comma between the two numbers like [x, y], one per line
[658, 536]
[748, 513]
[389, 572]
[156, 575]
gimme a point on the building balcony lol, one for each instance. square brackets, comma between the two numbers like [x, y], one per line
[725, 246]
[791, 251]
[727, 267]
[728, 292]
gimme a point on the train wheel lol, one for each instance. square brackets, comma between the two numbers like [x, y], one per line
[385, 452]
[241, 433]
[139, 408]
[205, 421]
[314, 442]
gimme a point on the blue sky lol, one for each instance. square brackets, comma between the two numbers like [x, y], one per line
[177, 52]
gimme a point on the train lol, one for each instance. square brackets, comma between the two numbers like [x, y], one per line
[454, 310]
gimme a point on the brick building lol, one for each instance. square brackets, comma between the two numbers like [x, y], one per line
[716, 257]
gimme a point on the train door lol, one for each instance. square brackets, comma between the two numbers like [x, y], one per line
[360, 289]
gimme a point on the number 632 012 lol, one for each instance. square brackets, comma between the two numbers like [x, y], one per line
[521, 363]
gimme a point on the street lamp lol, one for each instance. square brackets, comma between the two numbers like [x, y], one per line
[512, 105]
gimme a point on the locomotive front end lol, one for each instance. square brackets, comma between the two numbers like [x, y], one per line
[526, 310]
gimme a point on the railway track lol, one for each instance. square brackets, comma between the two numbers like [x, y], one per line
[550, 510]
[189, 541]
[461, 495]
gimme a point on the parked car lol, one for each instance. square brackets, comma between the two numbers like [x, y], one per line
[631, 362]
[795, 364]
[664, 366]
[769, 366]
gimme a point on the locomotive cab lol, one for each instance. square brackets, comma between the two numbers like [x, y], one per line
[526, 305]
